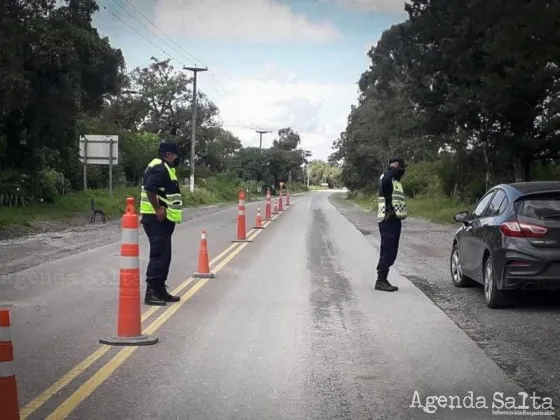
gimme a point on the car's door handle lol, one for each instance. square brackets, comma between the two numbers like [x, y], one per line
[468, 228]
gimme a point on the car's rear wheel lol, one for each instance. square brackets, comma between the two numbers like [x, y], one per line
[457, 276]
[494, 297]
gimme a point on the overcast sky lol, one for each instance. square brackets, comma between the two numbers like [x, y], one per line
[274, 63]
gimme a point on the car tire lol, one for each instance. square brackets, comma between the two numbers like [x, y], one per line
[493, 297]
[457, 276]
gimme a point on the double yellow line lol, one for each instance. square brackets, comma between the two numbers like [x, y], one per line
[84, 391]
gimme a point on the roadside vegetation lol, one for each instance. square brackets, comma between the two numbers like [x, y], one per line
[54, 93]
[468, 93]
[77, 204]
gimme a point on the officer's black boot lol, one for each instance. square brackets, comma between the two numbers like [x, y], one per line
[154, 297]
[383, 284]
[169, 297]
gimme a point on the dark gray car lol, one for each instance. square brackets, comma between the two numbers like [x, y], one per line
[510, 241]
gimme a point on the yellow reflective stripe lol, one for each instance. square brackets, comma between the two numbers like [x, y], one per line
[174, 202]
[154, 162]
[398, 200]
[394, 195]
[174, 215]
[144, 199]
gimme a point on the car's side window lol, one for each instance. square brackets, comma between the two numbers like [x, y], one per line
[482, 205]
[503, 206]
[495, 207]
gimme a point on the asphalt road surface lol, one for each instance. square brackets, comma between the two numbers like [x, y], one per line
[290, 328]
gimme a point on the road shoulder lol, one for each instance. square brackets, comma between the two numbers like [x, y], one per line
[522, 341]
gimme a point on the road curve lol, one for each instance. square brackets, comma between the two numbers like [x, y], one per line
[291, 328]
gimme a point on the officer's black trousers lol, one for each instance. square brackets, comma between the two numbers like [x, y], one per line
[159, 234]
[390, 231]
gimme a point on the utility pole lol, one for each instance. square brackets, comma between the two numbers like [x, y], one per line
[195, 70]
[261, 132]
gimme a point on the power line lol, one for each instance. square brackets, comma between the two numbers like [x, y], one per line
[225, 93]
[196, 60]
[138, 32]
[142, 35]
[185, 53]
[143, 25]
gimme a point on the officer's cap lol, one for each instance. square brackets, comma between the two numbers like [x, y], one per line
[400, 161]
[167, 146]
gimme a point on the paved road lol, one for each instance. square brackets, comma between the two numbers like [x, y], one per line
[524, 340]
[30, 251]
[60, 308]
[291, 328]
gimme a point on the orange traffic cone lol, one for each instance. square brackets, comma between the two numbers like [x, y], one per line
[9, 403]
[258, 221]
[241, 221]
[280, 206]
[268, 207]
[129, 324]
[203, 270]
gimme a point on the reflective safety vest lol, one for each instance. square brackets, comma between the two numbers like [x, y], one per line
[398, 199]
[171, 198]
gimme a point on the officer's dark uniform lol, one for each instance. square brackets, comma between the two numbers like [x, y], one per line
[160, 178]
[391, 212]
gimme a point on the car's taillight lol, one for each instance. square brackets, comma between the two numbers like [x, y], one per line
[518, 263]
[522, 230]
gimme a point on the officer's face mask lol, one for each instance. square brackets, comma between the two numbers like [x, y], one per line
[399, 173]
[174, 160]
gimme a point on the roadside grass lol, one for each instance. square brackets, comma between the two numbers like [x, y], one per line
[68, 206]
[75, 205]
[436, 209]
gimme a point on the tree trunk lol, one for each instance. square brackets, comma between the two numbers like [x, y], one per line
[522, 168]
[518, 169]
[527, 169]
[487, 166]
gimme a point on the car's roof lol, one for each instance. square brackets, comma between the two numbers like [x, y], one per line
[536, 186]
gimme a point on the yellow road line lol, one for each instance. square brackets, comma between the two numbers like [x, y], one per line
[84, 391]
[188, 281]
[60, 384]
[77, 370]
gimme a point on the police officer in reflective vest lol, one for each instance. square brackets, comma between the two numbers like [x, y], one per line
[391, 212]
[161, 209]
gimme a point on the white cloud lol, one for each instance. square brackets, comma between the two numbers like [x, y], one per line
[248, 20]
[388, 6]
[278, 99]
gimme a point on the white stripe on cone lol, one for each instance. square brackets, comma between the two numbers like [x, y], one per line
[130, 263]
[5, 334]
[129, 236]
[7, 369]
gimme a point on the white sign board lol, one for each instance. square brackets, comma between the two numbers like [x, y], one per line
[98, 151]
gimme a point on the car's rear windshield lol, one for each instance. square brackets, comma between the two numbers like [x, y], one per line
[542, 206]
